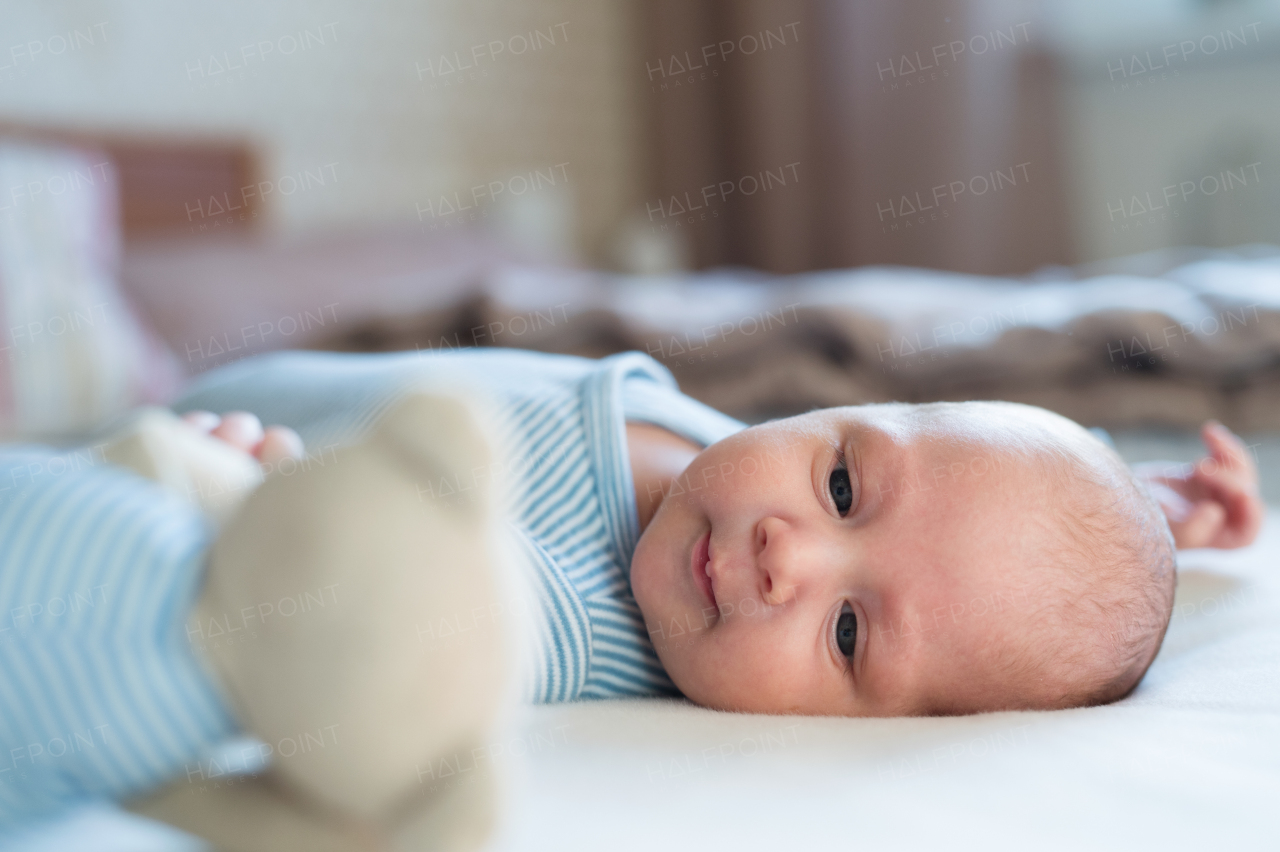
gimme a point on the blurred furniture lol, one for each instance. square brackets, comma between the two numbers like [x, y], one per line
[220, 297]
[168, 185]
[73, 354]
[1165, 339]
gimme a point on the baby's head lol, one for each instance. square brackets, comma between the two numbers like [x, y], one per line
[976, 556]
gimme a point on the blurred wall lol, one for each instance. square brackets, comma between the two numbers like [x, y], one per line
[371, 113]
[1173, 127]
[572, 126]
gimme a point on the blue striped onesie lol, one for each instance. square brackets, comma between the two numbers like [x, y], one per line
[560, 418]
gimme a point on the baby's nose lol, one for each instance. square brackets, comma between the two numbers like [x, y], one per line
[776, 560]
[779, 594]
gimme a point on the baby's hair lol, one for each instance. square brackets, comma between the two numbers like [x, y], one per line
[1125, 538]
[1114, 559]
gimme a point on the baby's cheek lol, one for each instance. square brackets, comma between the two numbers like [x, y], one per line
[708, 474]
[711, 677]
[642, 575]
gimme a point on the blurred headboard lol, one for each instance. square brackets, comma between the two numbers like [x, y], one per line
[170, 185]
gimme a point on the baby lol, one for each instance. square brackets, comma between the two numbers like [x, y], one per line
[873, 560]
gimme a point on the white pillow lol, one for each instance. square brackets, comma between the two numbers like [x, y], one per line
[73, 355]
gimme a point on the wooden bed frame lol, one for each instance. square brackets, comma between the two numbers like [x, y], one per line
[167, 182]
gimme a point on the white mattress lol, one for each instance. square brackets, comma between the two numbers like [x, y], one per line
[1190, 761]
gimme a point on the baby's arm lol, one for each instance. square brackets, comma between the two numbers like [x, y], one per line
[1215, 502]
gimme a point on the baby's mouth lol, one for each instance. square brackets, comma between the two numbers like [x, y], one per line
[699, 560]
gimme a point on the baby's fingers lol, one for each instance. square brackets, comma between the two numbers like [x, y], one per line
[1226, 450]
[280, 443]
[1201, 526]
[1238, 495]
[241, 430]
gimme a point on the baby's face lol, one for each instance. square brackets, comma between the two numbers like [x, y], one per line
[773, 582]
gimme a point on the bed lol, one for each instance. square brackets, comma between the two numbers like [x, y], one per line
[1191, 760]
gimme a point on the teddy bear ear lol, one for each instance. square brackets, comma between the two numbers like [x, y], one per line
[438, 439]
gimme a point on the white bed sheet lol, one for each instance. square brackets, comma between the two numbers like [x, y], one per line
[1190, 761]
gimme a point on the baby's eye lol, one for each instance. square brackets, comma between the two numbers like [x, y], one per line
[846, 630]
[841, 490]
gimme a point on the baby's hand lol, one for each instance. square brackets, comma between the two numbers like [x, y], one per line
[1215, 502]
[244, 431]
